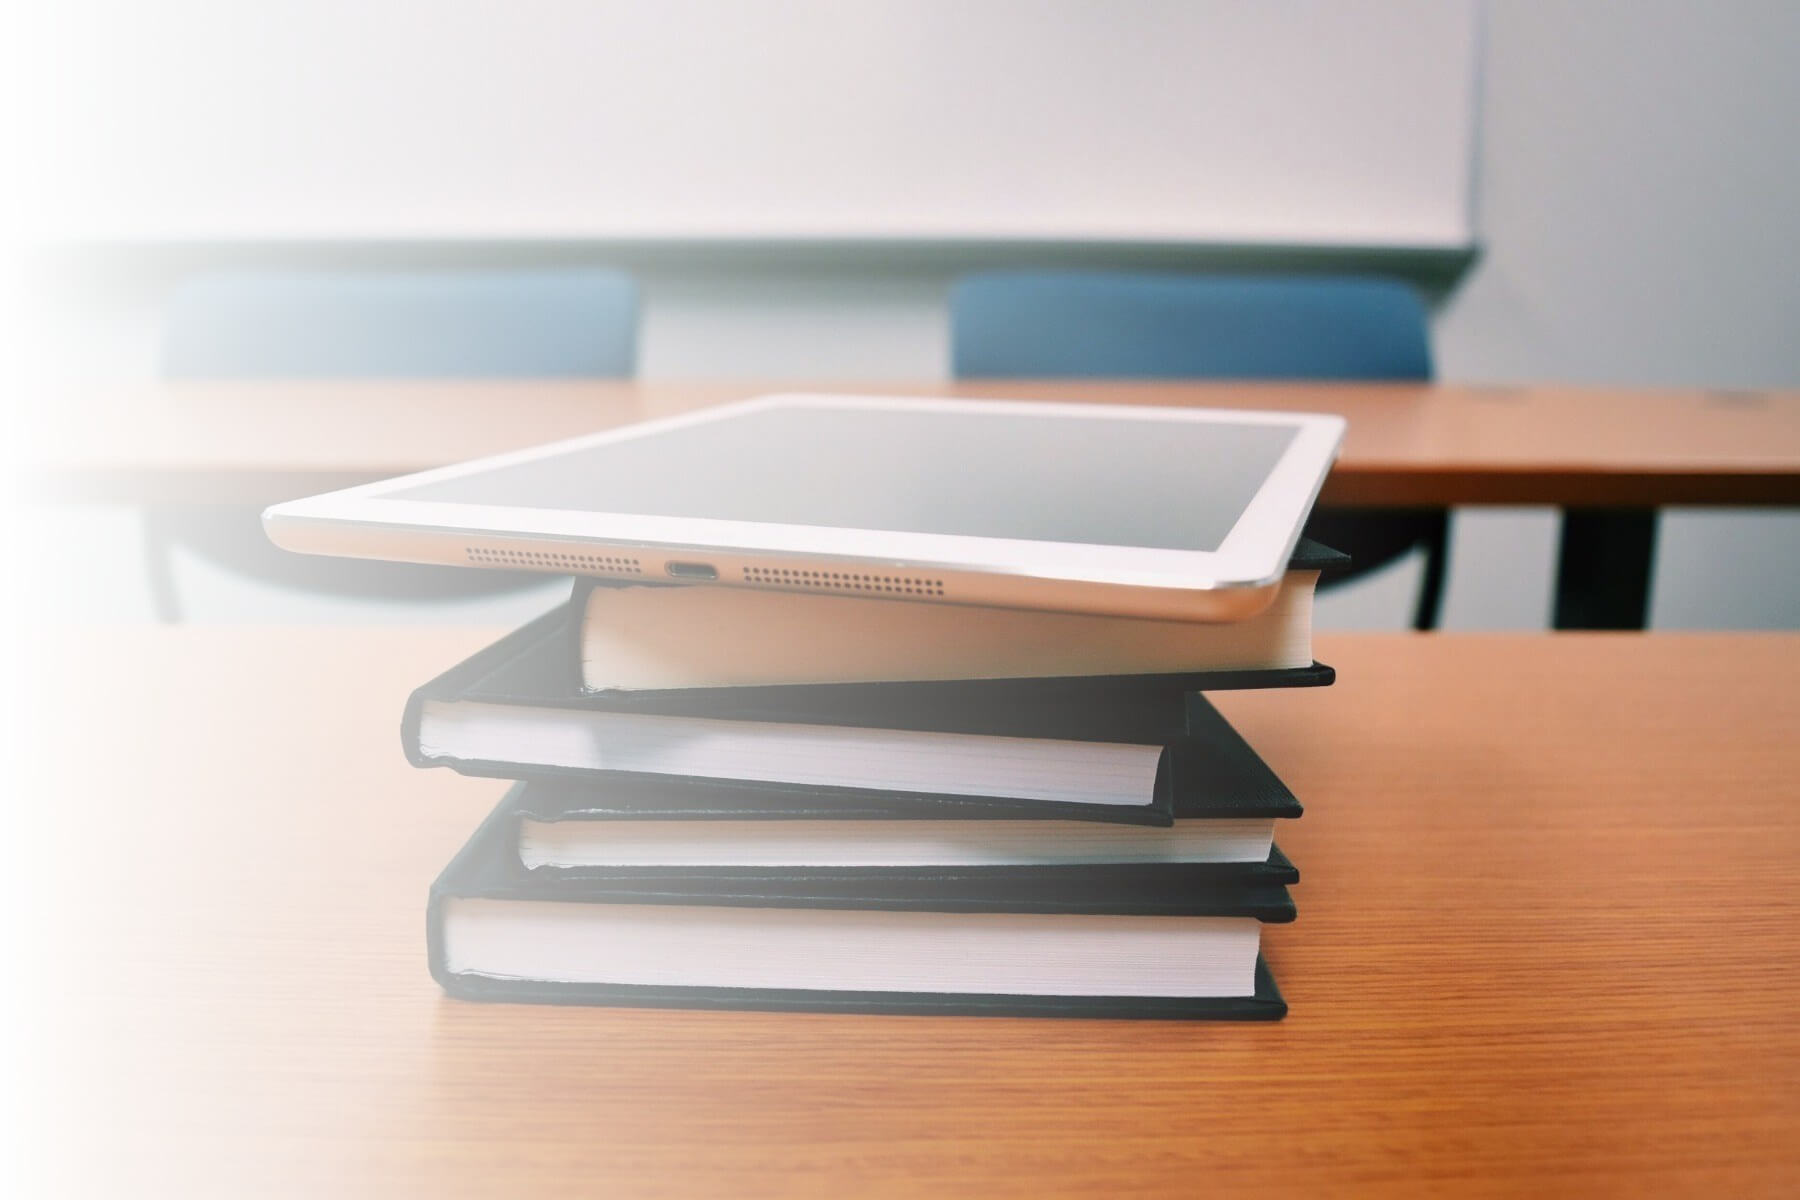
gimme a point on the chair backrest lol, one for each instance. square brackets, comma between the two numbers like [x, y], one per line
[1049, 324]
[449, 324]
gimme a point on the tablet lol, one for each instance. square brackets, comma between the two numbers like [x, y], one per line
[1153, 512]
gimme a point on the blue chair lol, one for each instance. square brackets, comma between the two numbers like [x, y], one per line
[1063, 324]
[438, 324]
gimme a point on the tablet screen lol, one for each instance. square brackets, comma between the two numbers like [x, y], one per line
[1175, 485]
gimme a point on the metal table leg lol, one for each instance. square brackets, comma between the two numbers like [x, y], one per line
[1603, 568]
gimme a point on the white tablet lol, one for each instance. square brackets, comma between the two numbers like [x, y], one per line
[1155, 512]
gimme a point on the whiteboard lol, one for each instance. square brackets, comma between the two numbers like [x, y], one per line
[1277, 122]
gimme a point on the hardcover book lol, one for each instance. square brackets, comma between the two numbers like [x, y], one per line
[1224, 811]
[1109, 748]
[1128, 944]
[635, 637]
[557, 830]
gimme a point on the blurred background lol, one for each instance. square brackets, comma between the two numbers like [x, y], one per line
[1576, 191]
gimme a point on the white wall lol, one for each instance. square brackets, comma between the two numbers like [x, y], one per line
[1292, 121]
[1639, 200]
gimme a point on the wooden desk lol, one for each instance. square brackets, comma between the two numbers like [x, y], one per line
[1607, 456]
[1549, 942]
[1408, 444]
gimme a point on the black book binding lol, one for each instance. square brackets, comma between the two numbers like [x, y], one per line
[1078, 885]
[486, 868]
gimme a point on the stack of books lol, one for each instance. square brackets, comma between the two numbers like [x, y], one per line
[744, 799]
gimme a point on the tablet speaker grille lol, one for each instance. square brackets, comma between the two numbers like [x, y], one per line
[844, 581]
[560, 561]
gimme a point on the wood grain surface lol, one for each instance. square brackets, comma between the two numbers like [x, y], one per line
[1549, 944]
[1408, 443]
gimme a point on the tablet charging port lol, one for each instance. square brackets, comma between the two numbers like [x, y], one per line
[687, 570]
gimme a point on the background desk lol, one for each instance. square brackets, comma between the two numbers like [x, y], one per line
[1609, 456]
[1433, 444]
[1548, 941]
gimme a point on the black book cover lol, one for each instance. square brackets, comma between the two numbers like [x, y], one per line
[1072, 883]
[1309, 555]
[1211, 772]
[531, 667]
[487, 868]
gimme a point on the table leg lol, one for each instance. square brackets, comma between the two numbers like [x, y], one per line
[1603, 568]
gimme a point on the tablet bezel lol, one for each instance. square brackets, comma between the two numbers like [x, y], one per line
[367, 521]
